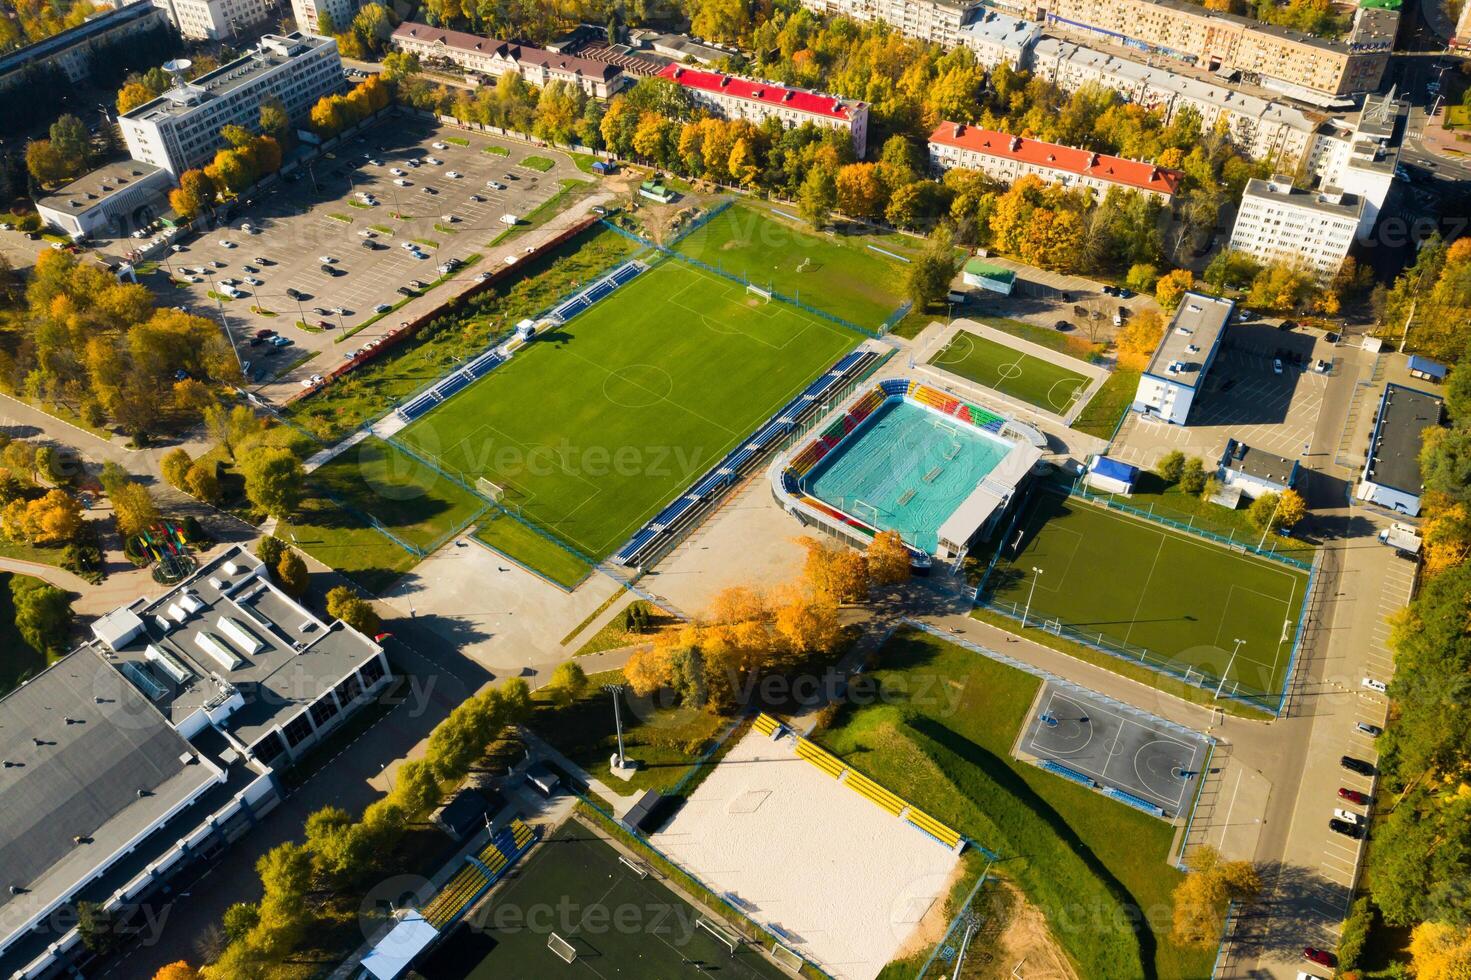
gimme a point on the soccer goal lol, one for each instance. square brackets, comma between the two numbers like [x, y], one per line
[805, 265]
[637, 867]
[865, 511]
[489, 489]
[726, 939]
[564, 950]
[765, 294]
[787, 957]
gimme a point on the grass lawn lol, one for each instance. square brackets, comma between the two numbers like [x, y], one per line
[457, 140]
[832, 272]
[655, 934]
[1071, 344]
[497, 150]
[667, 742]
[1049, 386]
[347, 543]
[1144, 588]
[541, 164]
[375, 387]
[615, 634]
[593, 428]
[1100, 417]
[526, 547]
[18, 659]
[939, 730]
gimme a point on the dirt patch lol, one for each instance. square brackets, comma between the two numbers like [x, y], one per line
[931, 928]
[1023, 938]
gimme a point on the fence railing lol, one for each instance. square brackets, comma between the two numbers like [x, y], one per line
[944, 950]
[701, 221]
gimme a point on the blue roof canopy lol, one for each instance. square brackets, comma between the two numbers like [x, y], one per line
[1114, 469]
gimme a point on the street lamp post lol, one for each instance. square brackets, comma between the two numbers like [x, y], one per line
[1036, 574]
[225, 320]
[616, 690]
[1227, 672]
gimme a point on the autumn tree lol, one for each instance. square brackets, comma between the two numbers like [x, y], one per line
[133, 508]
[1200, 899]
[1193, 476]
[860, 191]
[1440, 951]
[1139, 337]
[887, 559]
[346, 605]
[1172, 287]
[291, 574]
[273, 479]
[175, 466]
[177, 970]
[568, 683]
[202, 481]
[1272, 511]
[834, 573]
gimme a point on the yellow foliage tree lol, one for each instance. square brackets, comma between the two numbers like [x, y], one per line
[1440, 952]
[648, 669]
[888, 559]
[834, 573]
[53, 519]
[1139, 338]
[178, 970]
[1172, 286]
[807, 624]
[1200, 900]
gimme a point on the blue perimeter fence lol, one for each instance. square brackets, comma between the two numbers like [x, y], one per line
[945, 950]
[775, 294]
[1273, 703]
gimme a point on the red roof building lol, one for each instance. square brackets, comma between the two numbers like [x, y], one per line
[1006, 157]
[489, 56]
[731, 97]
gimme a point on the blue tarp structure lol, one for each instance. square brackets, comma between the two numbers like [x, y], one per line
[1424, 367]
[1114, 470]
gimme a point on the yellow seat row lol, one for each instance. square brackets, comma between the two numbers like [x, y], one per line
[493, 858]
[933, 827]
[821, 758]
[765, 724]
[867, 787]
[455, 895]
[521, 834]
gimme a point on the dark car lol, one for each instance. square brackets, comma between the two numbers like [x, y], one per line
[293, 292]
[1353, 796]
[1319, 956]
[325, 324]
[1125, 293]
[1357, 765]
[1287, 325]
[406, 291]
[257, 341]
[1110, 291]
[1345, 828]
[1062, 325]
[265, 332]
[33, 236]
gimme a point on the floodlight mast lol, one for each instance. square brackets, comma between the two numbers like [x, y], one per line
[616, 690]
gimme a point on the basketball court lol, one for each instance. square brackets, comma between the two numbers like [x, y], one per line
[1130, 752]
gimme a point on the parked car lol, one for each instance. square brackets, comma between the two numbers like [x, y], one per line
[439, 145]
[1375, 685]
[1346, 829]
[226, 243]
[401, 182]
[1357, 765]
[1062, 326]
[1319, 956]
[429, 190]
[495, 184]
[1125, 293]
[1110, 291]
[280, 341]
[1347, 816]
[398, 172]
[416, 284]
[476, 198]
[1276, 365]
[454, 174]
[293, 292]
[262, 260]
[405, 291]
[382, 308]
[1373, 731]
[1353, 796]
[329, 259]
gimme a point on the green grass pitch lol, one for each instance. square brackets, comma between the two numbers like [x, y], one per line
[1049, 386]
[595, 426]
[831, 272]
[621, 925]
[1184, 600]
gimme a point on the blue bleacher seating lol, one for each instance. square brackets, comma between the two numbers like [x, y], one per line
[1137, 802]
[1066, 773]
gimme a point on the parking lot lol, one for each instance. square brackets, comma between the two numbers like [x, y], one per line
[1246, 399]
[326, 245]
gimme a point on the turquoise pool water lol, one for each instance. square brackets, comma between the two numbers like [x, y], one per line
[906, 469]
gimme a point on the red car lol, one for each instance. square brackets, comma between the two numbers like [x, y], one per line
[1353, 796]
[1319, 956]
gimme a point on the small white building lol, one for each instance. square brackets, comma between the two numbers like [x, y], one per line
[112, 201]
[1176, 373]
[1391, 475]
[732, 97]
[1279, 222]
[1111, 475]
[1255, 472]
[1008, 158]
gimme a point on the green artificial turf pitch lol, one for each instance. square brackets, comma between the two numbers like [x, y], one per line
[1145, 588]
[834, 273]
[596, 425]
[1051, 387]
[620, 924]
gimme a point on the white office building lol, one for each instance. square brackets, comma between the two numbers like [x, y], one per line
[154, 746]
[1391, 476]
[308, 12]
[181, 128]
[1176, 373]
[934, 21]
[1281, 223]
[1360, 154]
[112, 201]
[214, 20]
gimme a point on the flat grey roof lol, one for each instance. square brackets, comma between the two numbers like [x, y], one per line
[1394, 452]
[86, 755]
[1189, 339]
[272, 52]
[1322, 200]
[94, 189]
[1257, 463]
[298, 658]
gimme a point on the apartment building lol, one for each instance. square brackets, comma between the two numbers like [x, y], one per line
[1284, 60]
[493, 58]
[933, 21]
[154, 746]
[1279, 222]
[1359, 154]
[731, 97]
[1263, 129]
[307, 14]
[71, 51]
[213, 20]
[1007, 158]
[181, 128]
[997, 38]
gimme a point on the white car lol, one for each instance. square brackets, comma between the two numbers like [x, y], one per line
[1276, 365]
[453, 174]
[433, 161]
[401, 182]
[414, 162]
[312, 382]
[1374, 685]
[397, 171]
[439, 146]
[228, 282]
[476, 198]
[328, 259]
[367, 233]
[495, 184]
[254, 281]
[449, 219]
[382, 308]
[248, 228]
[483, 277]
[339, 311]
[1347, 816]
[176, 248]
[226, 243]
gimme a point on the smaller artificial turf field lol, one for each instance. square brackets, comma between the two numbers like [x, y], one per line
[835, 273]
[1169, 600]
[1049, 386]
[598, 424]
[621, 925]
